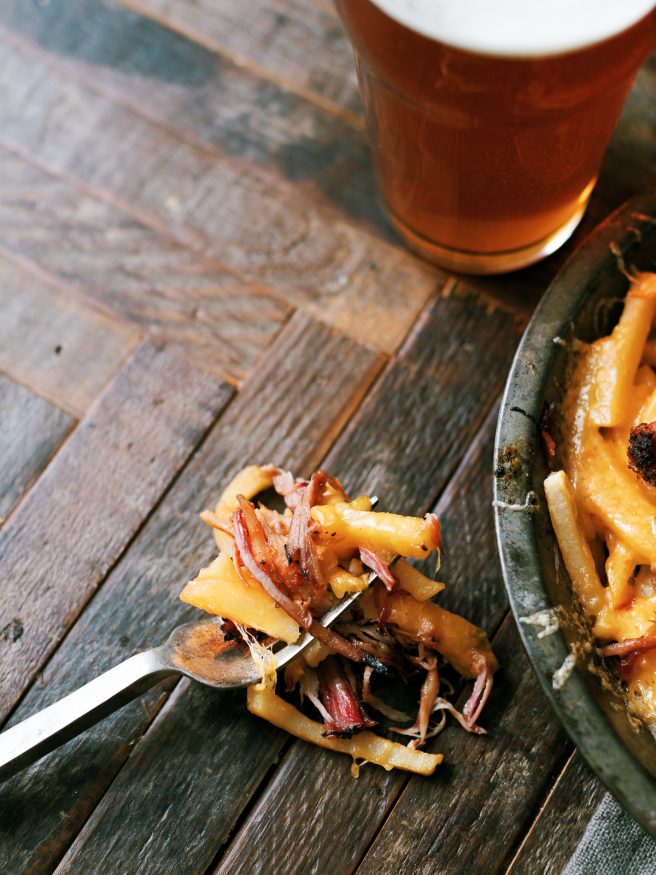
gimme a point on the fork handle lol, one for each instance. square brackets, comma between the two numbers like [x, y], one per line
[41, 733]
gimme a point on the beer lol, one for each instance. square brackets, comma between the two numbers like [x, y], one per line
[488, 121]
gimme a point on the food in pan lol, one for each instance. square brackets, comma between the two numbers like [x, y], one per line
[277, 571]
[603, 501]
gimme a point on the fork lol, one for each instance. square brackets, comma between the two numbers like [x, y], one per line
[190, 650]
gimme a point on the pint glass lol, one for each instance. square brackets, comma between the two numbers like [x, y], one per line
[488, 120]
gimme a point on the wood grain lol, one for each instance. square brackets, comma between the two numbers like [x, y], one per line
[298, 44]
[308, 386]
[207, 98]
[414, 428]
[470, 817]
[71, 528]
[223, 324]
[65, 351]
[256, 224]
[559, 827]
[312, 800]
[31, 429]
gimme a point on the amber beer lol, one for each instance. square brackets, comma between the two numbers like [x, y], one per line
[488, 120]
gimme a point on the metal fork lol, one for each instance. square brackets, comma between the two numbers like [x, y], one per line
[191, 650]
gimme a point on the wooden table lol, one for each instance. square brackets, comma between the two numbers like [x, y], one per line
[195, 274]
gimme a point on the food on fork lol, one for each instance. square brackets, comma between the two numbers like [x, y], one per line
[277, 572]
[603, 501]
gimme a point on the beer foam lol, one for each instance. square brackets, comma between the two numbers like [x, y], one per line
[518, 28]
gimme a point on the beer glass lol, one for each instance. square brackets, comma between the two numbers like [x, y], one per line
[488, 120]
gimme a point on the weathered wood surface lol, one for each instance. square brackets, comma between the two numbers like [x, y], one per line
[31, 429]
[301, 45]
[290, 411]
[254, 223]
[218, 102]
[197, 172]
[221, 323]
[51, 342]
[560, 825]
[69, 531]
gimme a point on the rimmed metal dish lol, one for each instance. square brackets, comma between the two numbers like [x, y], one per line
[582, 302]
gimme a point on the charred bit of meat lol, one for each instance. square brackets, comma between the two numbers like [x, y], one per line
[340, 700]
[642, 451]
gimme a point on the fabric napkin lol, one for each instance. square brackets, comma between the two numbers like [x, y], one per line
[613, 844]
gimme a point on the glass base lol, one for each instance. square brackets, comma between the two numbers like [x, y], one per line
[463, 261]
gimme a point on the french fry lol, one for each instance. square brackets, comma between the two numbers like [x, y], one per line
[647, 412]
[218, 590]
[342, 582]
[413, 581]
[396, 534]
[635, 620]
[262, 701]
[616, 359]
[620, 568]
[315, 653]
[248, 482]
[574, 547]
[612, 493]
[458, 640]
[642, 396]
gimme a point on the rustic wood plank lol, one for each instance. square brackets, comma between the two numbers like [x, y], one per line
[222, 324]
[471, 816]
[298, 44]
[257, 224]
[558, 829]
[59, 544]
[290, 410]
[312, 797]
[63, 350]
[170, 78]
[425, 388]
[31, 429]
[413, 430]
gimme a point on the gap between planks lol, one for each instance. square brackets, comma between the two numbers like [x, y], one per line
[89, 299]
[365, 387]
[212, 45]
[363, 250]
[222, 408]
[121, 100]
[548, 796]
[197, 247]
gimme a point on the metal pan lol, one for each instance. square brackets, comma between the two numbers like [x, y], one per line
[582, 302]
